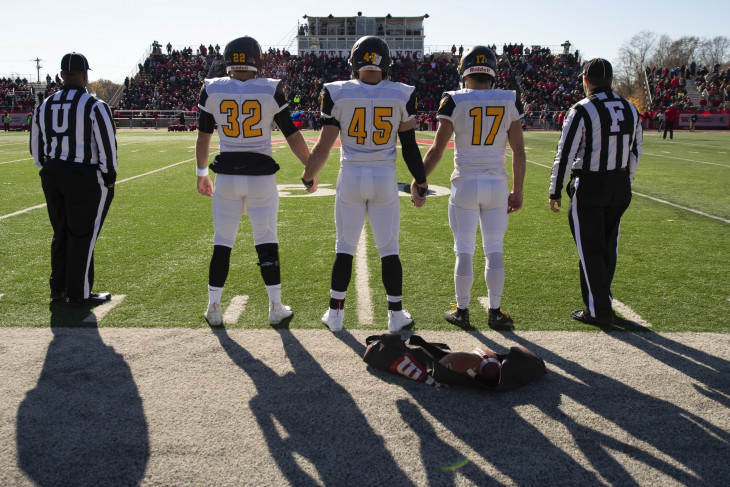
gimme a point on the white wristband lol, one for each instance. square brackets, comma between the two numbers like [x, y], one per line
[202, 171]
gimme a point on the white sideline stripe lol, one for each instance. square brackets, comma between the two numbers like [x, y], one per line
[686, 160]
[697, 212]
[101, 311]
[234, 310]
[362, 273]
[683, 207]
[17, 160]
[1, 296]
[20, 212]
[629, 314]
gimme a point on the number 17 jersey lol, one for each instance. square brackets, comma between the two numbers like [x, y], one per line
[481, 119]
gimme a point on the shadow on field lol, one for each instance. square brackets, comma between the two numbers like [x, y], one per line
[83, 424]
[617, 419]
[612, 426]
[308, 419]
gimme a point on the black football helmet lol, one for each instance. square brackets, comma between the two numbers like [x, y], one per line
[370, 53]
[479, 59]
[243, 54]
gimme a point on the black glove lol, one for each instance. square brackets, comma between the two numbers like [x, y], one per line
[109, 178]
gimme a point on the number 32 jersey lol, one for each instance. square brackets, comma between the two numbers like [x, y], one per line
[369, 117]
[244, 111]
[481, 119]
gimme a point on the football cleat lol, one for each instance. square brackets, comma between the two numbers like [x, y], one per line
[458, 316]
[94, 299]
[278, 313]
[584, 316]
[397, 320]
[213, 315]
[333, 319]
[498, 318]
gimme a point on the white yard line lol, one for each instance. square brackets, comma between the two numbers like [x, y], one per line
[101, 311]
[20, 212]
[362, 284]
[234, 310]
[629, 314]
[17, 160]
[686, 160]
[697, 212]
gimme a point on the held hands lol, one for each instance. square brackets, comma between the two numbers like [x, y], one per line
[310, 184]
[514, 202]
[553, 204]
[205, 186]
[418, 193]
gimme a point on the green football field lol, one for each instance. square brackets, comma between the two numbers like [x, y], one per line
[673, 272]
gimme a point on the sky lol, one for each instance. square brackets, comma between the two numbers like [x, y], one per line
[115, 35]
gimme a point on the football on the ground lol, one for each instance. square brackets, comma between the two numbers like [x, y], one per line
[489, 367]
[463, 363]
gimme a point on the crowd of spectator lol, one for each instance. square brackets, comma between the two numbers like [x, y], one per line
[16, 94]
[171, 81]
[669, 87]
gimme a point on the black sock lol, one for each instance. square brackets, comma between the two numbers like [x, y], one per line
[397, 306]
[337, 303]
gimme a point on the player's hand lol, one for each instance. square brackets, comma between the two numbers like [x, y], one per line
[553, 204]
[416, 197]
[315, 184]
[205, 186]
[514, 202]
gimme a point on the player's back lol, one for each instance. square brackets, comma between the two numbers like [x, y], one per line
[369, 117]
[244, 112]
[481, 119]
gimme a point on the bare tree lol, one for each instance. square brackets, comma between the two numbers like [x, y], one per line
[715, 51]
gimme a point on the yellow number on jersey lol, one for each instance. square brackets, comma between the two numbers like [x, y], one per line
[230, 109]
[476, 114]
[252, 108]
[383, 128]
[357, 126]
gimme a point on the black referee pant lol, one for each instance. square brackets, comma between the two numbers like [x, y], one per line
[78, 202]
[597, 203]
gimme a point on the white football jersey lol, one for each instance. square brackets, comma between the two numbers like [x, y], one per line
[481, 119]
[369, 117]
[244, 111]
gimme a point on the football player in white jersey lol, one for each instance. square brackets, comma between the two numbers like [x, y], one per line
[482, 120]
[244, 107]
[367, 112]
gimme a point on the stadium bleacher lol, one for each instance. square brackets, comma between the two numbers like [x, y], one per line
[548, 82]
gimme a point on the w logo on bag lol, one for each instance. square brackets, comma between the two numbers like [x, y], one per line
[407, 365]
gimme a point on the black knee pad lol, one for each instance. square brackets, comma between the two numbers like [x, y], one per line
[269, 263]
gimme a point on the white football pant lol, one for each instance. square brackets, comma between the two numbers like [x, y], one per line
[258, 194]
[371, 191]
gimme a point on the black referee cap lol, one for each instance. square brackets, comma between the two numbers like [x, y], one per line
[74, 61]
[597, 68]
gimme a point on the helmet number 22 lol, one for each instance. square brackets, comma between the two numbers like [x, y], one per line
[251, 108]
[383, 128]
[478, 116]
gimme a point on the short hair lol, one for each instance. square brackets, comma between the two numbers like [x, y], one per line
[600, 82]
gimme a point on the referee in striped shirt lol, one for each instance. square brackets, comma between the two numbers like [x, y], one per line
[599, 149]
[72, 140]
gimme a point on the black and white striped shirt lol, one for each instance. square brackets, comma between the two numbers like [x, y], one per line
[601, 133]
[73, 126]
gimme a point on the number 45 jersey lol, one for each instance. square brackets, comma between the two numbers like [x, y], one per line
[244, 111]
[369, 117]
[481, 119]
